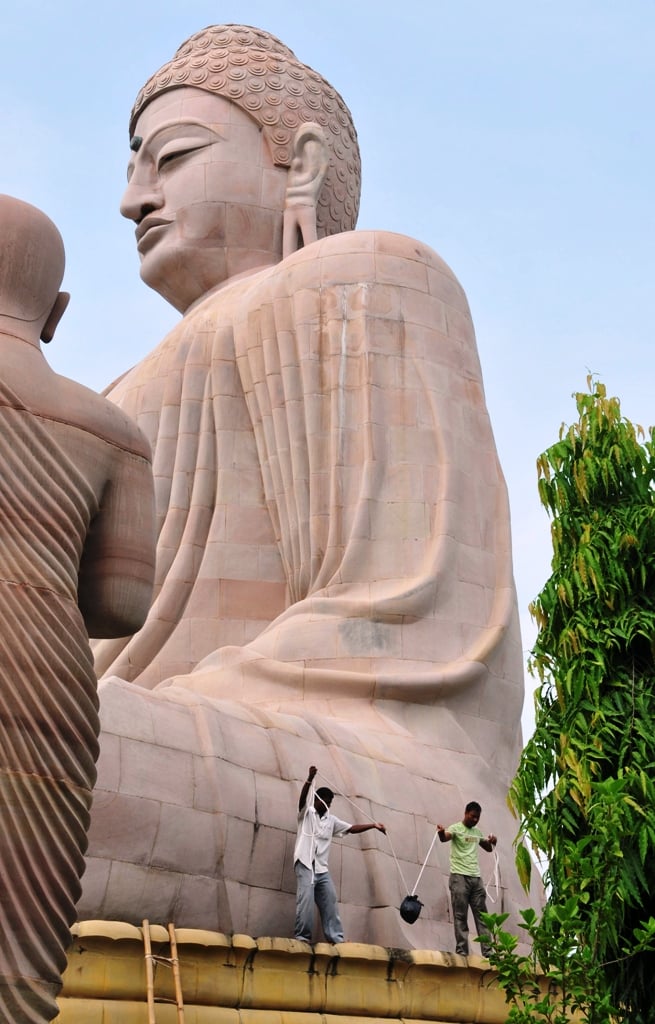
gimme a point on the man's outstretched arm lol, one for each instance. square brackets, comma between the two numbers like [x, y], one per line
[356, 829]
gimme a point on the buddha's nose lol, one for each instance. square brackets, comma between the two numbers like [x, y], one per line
[141, 196]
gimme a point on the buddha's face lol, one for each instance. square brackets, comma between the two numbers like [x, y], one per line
[204, 194]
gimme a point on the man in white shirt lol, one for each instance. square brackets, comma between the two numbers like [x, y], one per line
[316, 827]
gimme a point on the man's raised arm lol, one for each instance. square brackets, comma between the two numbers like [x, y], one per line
[305, 789]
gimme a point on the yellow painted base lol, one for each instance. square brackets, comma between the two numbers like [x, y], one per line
[240, 980]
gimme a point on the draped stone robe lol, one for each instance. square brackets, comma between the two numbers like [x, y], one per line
[61, 450]
[334, 586]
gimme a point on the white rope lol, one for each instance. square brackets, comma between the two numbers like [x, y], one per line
[494, 878]
[434, 839]
[361, 811]
[352, 803]
[365, 814]
[312, 832]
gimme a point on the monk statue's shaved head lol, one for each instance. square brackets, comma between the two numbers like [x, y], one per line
[31, 261]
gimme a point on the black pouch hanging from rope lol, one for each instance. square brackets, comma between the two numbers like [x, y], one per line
[410, 908]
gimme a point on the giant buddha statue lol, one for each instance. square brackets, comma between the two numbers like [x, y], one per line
[334, 580]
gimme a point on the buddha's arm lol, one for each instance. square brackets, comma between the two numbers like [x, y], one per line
[359, 367]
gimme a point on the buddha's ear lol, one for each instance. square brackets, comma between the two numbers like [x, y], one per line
[55, 315]
[309, 165]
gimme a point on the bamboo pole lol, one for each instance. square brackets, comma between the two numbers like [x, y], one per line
[175, 963]
[150, 974]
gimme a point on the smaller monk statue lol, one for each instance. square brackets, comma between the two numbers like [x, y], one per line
[76, 557]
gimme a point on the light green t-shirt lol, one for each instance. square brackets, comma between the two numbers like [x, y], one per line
[464, 858]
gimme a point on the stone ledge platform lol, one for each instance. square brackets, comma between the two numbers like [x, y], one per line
[240, 980]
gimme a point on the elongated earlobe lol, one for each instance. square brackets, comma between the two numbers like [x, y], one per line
[55, 315]
[309, 165]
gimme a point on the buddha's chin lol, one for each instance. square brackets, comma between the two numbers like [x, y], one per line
[180, 278]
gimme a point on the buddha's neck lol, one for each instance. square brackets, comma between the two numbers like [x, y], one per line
[9, 338]
[251, 272]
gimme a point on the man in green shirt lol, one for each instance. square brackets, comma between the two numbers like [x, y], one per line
[466, 888]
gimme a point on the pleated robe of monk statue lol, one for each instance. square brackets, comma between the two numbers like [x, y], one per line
[76, 555]
[334, 580]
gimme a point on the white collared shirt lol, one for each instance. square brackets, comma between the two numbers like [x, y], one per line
[314, 837]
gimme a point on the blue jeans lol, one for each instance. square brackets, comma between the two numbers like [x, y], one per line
[316, 889]
[467, 891]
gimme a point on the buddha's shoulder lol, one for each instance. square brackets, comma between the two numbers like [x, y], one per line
[350, 259]
[364, 257]
[374, 246]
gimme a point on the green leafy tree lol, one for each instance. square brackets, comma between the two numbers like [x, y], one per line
[585, 788]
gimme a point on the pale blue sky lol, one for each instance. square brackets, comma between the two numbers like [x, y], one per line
[514, 138]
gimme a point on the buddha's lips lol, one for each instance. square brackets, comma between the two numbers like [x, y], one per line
[146, 224]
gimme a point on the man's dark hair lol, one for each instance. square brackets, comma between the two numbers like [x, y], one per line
[473, 805]
[325, 794]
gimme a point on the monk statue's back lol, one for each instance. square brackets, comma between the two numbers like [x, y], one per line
[76, 556]
[334, 581]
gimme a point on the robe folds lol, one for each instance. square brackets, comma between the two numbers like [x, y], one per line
[333, 587]
[48, 706]
[332, 515]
